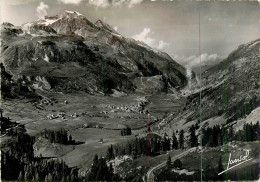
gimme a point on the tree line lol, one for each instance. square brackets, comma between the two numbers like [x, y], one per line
[211, 137]
[48, 170]
[216, 136]
[126, 131]
[17, 153]
[19, 163]
[138, 147]
[57, 136]
[100, 171]
[249, 133]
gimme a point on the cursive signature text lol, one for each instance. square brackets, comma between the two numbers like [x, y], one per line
[237, 161]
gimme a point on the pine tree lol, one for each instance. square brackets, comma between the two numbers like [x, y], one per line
[94, 169]
[219, 139]
[204, 136]
[169, 161]
[181, 139]
[111, 168]
[110, 153]
[257, 131]
[174, 142]
[111, 172]
[70, 139]
[164, 143]
[129, 149]
[177, 163]
[220, 168]
[73, 175]
[103, 171]
[193, 138]
[128, 131]
[231, 133]
[211, 141]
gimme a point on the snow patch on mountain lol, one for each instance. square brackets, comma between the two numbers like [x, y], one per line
[48, 22]
[74, 12]
[26, 27]
[46, 58]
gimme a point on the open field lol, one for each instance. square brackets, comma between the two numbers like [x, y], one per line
[87, 118]
[163, 104]
[105, 111]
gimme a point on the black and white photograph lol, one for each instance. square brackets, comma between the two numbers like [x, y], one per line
[130, 90]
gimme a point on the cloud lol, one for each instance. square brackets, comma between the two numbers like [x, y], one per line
[107, 3]
[99, 3]
[134, 2]
[70, 1]
[203, 59]
[146, 37]
[116, 28]
[42, 10]
[162, 44]
[17, 2]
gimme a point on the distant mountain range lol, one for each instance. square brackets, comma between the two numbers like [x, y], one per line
[68, 52]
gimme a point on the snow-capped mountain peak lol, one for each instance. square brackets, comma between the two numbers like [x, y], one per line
[73, 12]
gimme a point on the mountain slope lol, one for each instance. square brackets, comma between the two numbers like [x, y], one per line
[72, 53]
[231, 87]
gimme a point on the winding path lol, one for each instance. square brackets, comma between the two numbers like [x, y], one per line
[150, 173]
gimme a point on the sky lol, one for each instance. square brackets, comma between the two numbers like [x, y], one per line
[169, 26]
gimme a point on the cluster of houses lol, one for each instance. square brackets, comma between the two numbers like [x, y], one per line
[139, 108]
[55, 116]
[62, 116]
[46, 102]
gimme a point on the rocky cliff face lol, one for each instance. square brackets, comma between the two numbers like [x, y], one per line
[231, 87]
[71, 53]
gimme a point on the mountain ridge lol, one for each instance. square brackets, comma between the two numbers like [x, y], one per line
[231, 87]
[104, 57]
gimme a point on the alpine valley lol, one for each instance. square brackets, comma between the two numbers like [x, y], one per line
[81, 102]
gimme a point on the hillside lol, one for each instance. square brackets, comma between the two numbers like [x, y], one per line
[68, 52]
[229, 93]
[231, 87]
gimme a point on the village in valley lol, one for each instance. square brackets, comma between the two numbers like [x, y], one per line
[85, 100]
